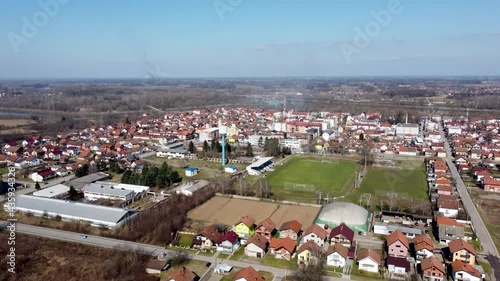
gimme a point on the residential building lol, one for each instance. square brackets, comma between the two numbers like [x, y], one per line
[398, 266]
[291, 229]
[342, 234]
[369, 261]
[207, 237]
[245, 227]
[266, 228]
[423, 247]
[448, 230]
[463, 251]
[461, 271]
[448, 205]
[282, 248]
[308, 253]
[397, 244]
[248, 274]
[228, 243]
[432, 269]
[337, 255]
[315, 233]
[157, 265]
[256, 246]
[182, 274]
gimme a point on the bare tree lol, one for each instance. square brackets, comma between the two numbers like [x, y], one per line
[391, 200]
[412, 204]
[311, 272]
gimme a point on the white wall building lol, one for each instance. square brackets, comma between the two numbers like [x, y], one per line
[407, 129]
[56, 191]
[260, 166]
[191, 188]
[209, 134]
[96, 191]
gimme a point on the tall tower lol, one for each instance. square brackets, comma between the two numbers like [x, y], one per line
[223, 133]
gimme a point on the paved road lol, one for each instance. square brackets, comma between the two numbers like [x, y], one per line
[144, 248]
[480, 229]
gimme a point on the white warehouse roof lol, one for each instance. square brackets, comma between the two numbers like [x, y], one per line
[96, 214]
[106, 189]
[52, 191]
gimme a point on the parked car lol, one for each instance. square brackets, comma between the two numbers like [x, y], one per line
[84, 236]
[208, 264]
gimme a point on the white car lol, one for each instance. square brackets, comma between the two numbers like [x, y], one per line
[84, 236]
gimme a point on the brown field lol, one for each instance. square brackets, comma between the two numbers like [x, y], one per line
[15, 122]
[224, 210]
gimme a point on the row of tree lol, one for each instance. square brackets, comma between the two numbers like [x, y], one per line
[161, 177]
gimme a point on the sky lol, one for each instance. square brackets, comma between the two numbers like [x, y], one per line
[247, 38]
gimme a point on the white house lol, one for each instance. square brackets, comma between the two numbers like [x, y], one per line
[369, 260]
[172, 153]
[465, 272]
[315, 233]
[256, 246]
[399, 266]
[229, 243]
[448, 206]
[337, 255]
[191, 171]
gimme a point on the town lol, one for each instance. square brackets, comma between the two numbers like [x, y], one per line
[269, 194]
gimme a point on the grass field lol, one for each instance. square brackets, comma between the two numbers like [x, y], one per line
[336, 177]
[381, 181]
[228, 211]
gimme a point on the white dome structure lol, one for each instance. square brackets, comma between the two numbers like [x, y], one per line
[355, 217]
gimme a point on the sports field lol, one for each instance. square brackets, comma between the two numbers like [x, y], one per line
[405, 182]
[319, 173]
[225, 210]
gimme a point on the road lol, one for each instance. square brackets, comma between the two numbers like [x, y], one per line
[480, 229]
[143, 248]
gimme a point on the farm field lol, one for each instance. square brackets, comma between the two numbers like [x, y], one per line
[225, 210]
[15, 122]
[336, 177]
[405, 182]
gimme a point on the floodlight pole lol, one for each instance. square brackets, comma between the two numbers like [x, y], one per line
[223, 149]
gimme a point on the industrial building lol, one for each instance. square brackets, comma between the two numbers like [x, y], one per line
[260, 166]
[55, 191]
[209, 134]
[78, 183]
[190, 188]
[125, 193]
[355, 217]
[95, 215]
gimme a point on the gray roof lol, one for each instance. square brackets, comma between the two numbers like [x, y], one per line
[84, 211]
[454, 231]
[82, 181]
[194, 186]
[107, 189]
[415, 231]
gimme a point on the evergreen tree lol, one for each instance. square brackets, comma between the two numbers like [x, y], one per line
[127, 176]
[37, 186]
[73, 194]
[191, 149]
[249, 152]
[206, 148]
[261, 141]
[361, 136]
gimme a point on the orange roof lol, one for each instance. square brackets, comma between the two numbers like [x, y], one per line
[316, 229]
[337, 248]
[460, 244]
[369, 253]
[268, 224]
[431, 263]
[286, 243]
[398, 235]
[248, 273]
[258, 240]
[247, 220]
[423, 242]
[447, 221]
[182, 274]
[292, 225]
[458, 265]
[311, 246]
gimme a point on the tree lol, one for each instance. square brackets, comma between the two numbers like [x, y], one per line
[311, 272]
[191, 148]
[37, 186]
[73, 194]
[260, 141]
[206, 147]
[249, 150]
[361, 136]
[366, 154]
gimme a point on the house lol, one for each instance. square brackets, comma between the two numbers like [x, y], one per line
[222, 268]
[182, 274]
[399, 266]
[266, 228]
[461, 250]
[291, 229]
[342, 234]
[369, 260]
[449, 229]
[191, 171]
[282, 248]
[315, 233]
[308, 253]
[248, 274]
[432, 269]
[172, 153]
[157, 265]
[461, 271]
[43, 175]
[445, 190]
[448, 205]
[397, 244]
[337, 255]
[256, 246]
[207, 237]
[228, 243]
[245, 227]
[491, 184]
[423, 247]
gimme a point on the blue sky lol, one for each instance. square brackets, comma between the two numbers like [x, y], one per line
[188, 38]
